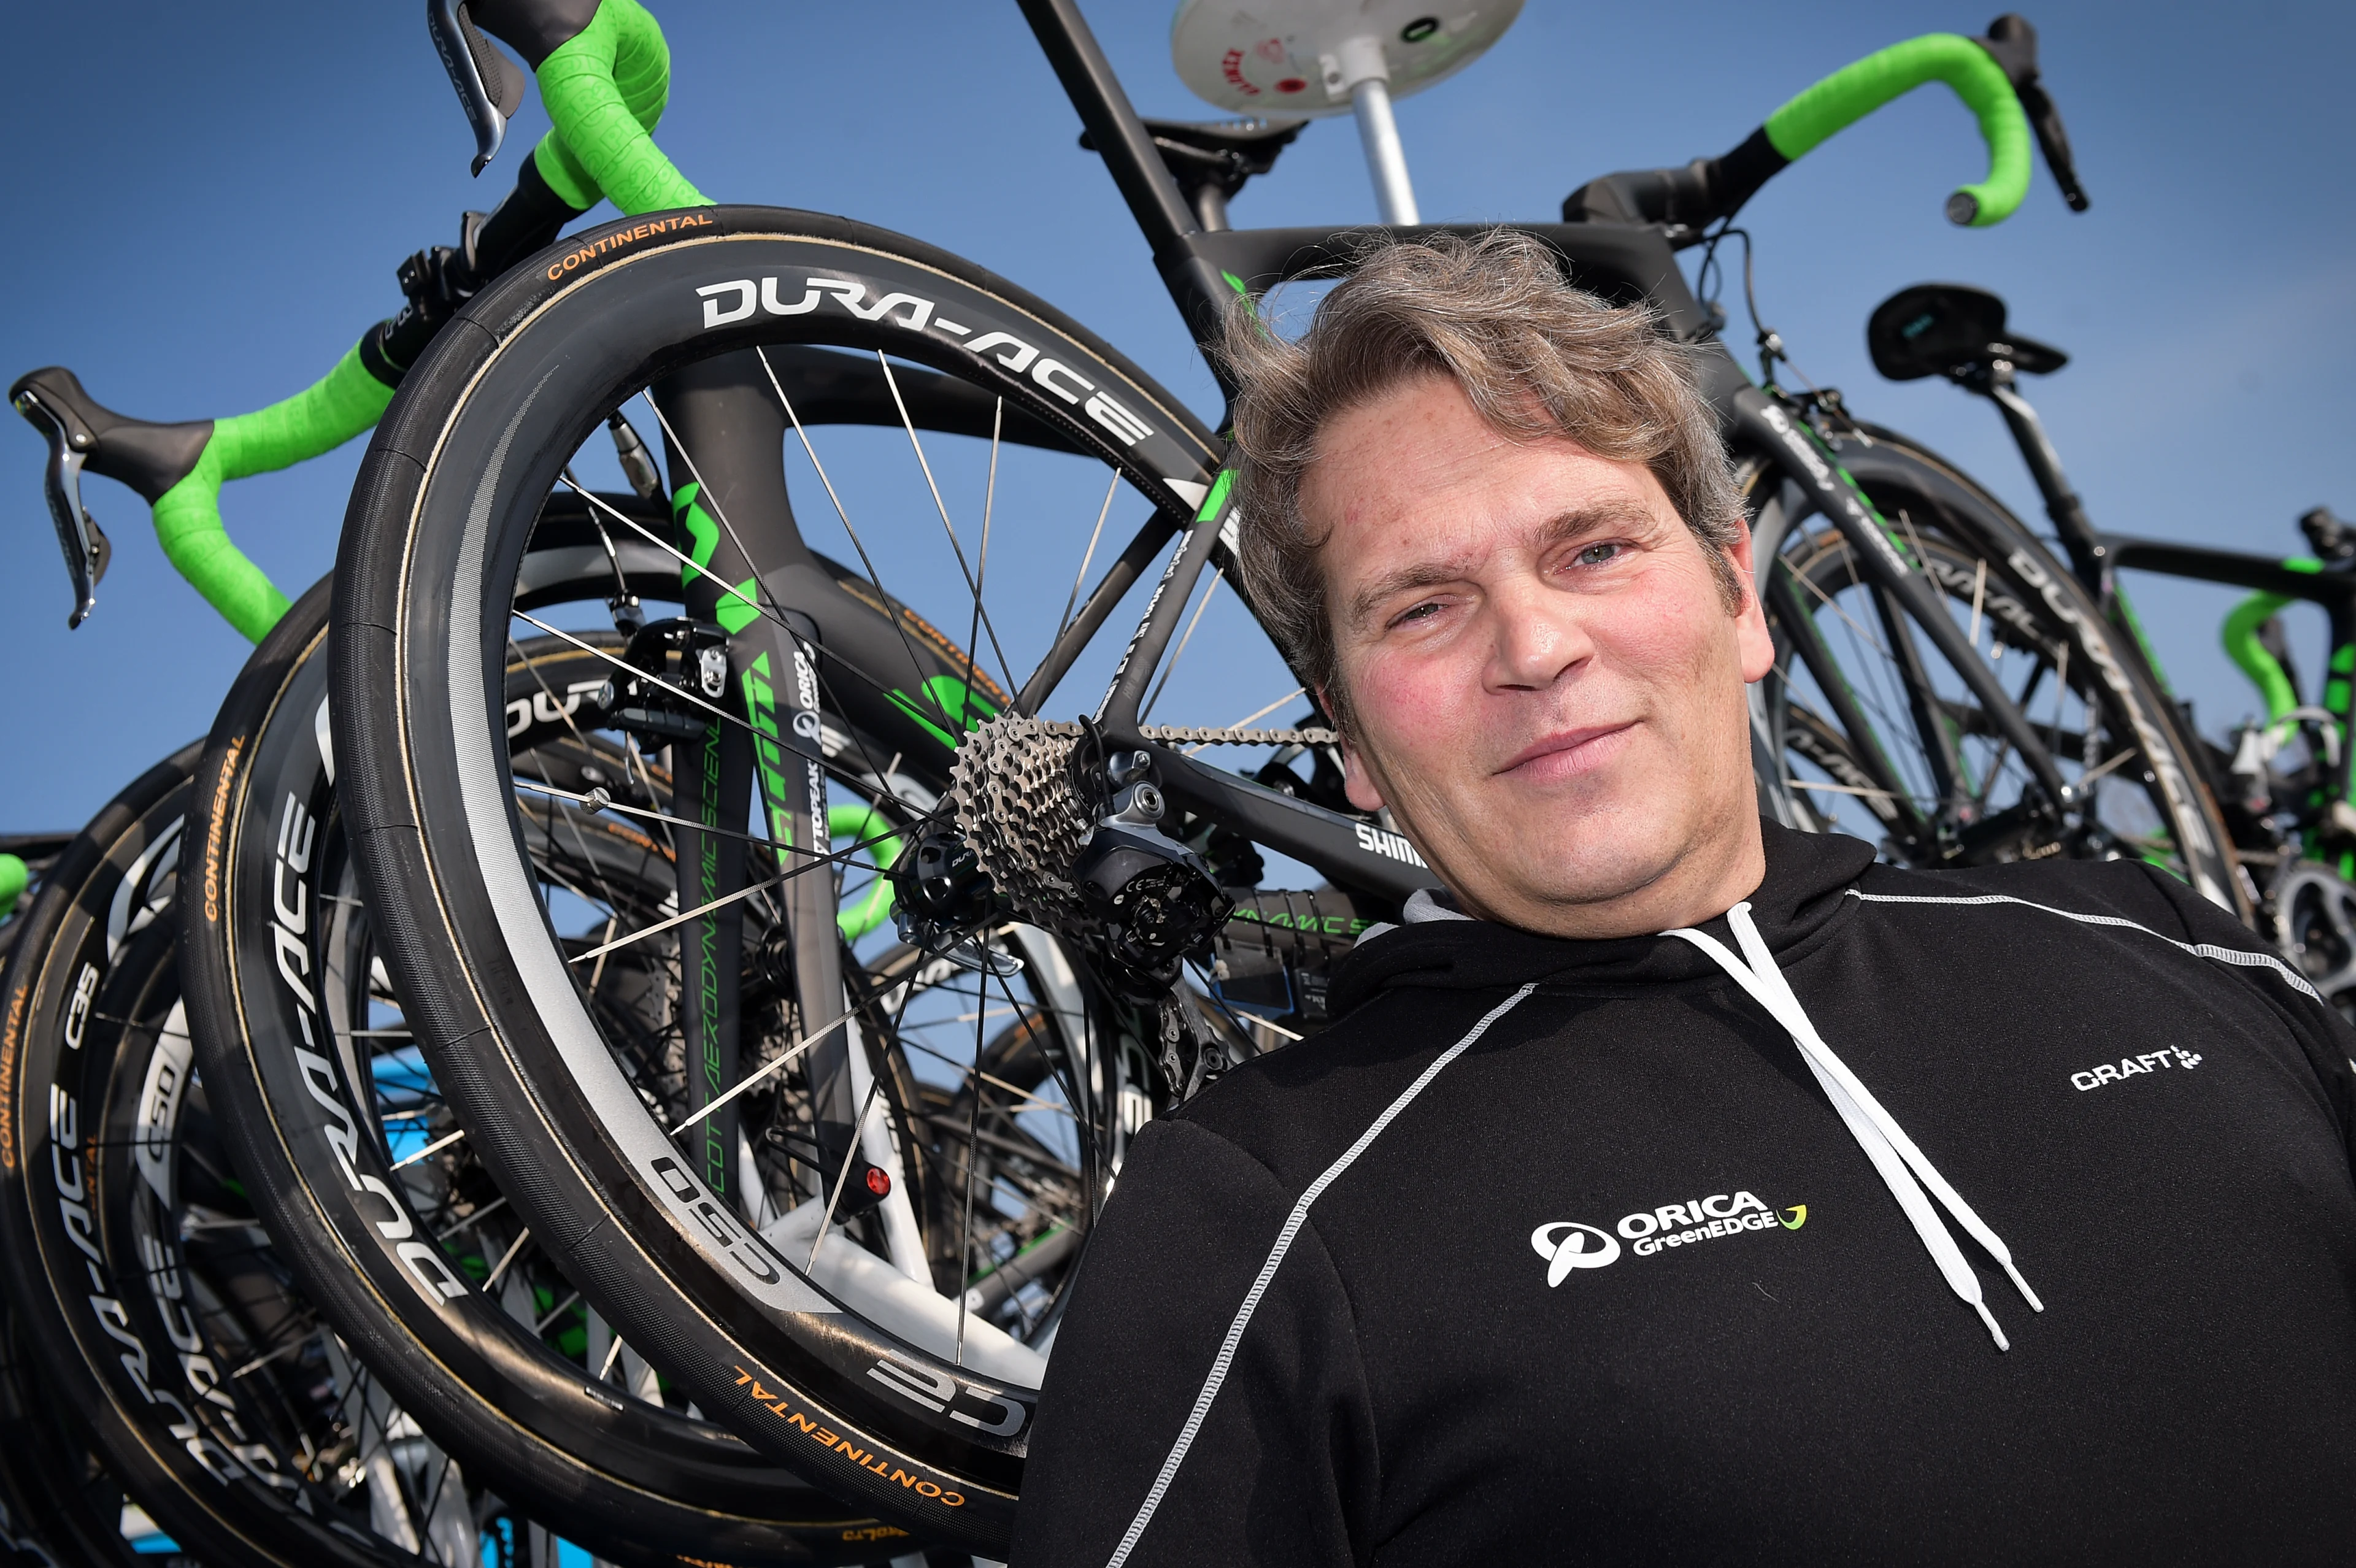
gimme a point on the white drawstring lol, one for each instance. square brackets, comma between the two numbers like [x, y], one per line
[1885, 1143]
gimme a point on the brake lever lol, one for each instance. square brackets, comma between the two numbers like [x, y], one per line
[2011, 42]
[488, 89]
[87, 550]
[2054, 141]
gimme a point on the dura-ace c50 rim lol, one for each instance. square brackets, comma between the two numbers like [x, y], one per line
[910, 1395]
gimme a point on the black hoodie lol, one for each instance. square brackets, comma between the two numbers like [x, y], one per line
[1556, 1251]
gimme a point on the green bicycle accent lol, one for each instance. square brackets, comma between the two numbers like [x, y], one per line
[865, 825]
[345, 404]
[1855, 90]
[1214, 502]
[605, 90]
[14, 877]
[954, 698]
[735, 611]
[2240, 637]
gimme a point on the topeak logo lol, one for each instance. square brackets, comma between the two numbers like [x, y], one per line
[1568, 1246]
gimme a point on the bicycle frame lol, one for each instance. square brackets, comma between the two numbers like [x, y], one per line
[1205, 270]
[2096, 558]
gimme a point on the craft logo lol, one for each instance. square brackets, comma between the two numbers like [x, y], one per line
[1569, 1246]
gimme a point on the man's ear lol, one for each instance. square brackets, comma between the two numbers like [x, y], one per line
[1358, 779]
[1755, 642]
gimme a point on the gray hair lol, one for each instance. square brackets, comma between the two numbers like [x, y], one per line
[1535, 357]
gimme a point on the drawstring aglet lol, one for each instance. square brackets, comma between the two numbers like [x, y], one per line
[1989, 1318]
[2022, 1285]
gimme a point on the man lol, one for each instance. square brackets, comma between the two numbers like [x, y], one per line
[1679, 1188]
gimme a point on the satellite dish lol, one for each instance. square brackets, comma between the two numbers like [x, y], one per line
[1328, 56]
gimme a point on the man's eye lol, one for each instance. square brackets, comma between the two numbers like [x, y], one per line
[1424, 611]
[1600, 554]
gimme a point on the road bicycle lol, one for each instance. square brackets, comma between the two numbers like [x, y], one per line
[2287, 807]
[155, 1320]
[1081, 878]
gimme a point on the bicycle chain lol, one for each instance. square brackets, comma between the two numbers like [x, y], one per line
[1180, 735]
[1012, 802]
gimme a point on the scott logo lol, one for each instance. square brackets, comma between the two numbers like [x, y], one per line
[1578, 1246]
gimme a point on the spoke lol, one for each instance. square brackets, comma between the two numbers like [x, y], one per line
[982, 567]
[1979, 597]
[973, 587]
[845, 775]
[267, 1357]
[557, 1311]
[1036, 1102]
[1220, 1002]
[915, 664]
[610, 804]
[965, 1229]
[1842, 789]
[816, 862]
[436, 1147]
[773, 616]
[2090, 776]
[471, 1220]
[849, 1158]
[1064, 622]
[1171, 668]
[506, 1258]
[542, 681]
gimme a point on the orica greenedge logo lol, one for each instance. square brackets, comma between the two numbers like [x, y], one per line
[1567, 1246]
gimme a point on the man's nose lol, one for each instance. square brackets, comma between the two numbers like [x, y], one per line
[1537, 637]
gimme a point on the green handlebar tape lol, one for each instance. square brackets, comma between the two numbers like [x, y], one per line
[13, 875]
[1854, 92]
[2241, 639]
[605, 88]
[318, 418]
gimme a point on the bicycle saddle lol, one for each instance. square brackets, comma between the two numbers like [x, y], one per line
[1213, 158]
[1951, 330]
[82, 433]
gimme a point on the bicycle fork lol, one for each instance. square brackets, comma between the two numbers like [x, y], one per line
[723, 437]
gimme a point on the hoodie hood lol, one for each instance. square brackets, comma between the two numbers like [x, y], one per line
[1800, 895]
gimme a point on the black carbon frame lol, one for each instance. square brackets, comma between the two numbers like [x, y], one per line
[1203, 271]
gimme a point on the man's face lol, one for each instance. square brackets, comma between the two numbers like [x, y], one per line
[1546, 683]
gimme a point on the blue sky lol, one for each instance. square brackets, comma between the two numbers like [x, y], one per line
[207, 214]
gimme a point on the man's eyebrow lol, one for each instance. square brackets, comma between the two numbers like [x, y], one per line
[1561, 529]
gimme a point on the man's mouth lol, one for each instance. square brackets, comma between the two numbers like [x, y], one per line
[1567, 752]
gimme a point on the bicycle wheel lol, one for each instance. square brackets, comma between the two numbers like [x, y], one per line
[60, 1505]
[1872, 734]
[163, 1323]
[898, 1368]
[356, 1161]
[64, 1509]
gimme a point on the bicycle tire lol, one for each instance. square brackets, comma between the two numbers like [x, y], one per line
[848, 1404]
[630, 1480]
[1999, 578]
[127, 1339]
